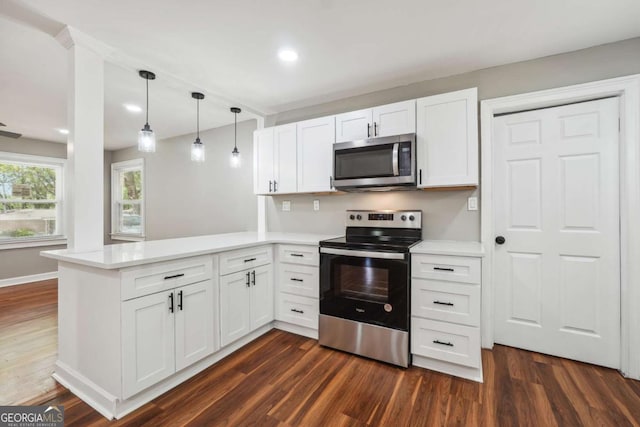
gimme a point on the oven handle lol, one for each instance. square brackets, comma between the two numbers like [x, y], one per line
[362, 254]
[394, 161]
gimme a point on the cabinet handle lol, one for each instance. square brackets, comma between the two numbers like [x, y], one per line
[448, 344]
[180, 300]
[375, 129]
[443, 269]
[444, 303]
[368, 130]
[295, 279]
[171, 302]
[298, 255]
[295, 310]
[174, 276]
[248, 283]
[253, 277]
[269, 186]
[275, 186]
[420, 176]
[249, 260]
[330, 182]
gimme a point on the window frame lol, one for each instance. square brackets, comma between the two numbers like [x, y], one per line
[59, 165]
[117, 168]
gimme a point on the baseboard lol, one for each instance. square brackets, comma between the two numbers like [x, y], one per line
[473, 374]
[296, 329]
[12, 281]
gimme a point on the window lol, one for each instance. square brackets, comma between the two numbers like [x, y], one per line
[127, 200]
[30, 199]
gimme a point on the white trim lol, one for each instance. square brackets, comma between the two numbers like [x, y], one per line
[29, 158]
[32, 243]
[13, 281]
[261, 200]
[628, 89]
[120, 167]
[127, 237]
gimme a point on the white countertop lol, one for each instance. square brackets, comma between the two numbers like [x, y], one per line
[131, 254]
[448, 247]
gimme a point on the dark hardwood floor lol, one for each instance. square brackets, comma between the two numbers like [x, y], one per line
[283, 379]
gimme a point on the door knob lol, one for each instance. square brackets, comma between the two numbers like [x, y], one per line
[500, 240]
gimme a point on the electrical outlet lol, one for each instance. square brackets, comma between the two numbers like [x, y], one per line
[472, 204]
[316, 205]
[286, 206]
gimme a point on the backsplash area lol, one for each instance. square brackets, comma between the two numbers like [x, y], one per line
[445, 214]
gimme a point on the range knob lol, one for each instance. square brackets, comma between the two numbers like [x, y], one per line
[352, 217]
[403, 217]
[411, 217]
[359, 217]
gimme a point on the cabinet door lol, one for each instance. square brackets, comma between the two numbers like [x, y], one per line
[315, 155]
[394, 119]
[286, 166]
[354, 125]
[261, 296]
[235, 312]
[447, 139]
[148, 350]
[263, 160]
[194, 323]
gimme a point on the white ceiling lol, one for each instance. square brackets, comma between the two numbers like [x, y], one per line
[228, 48]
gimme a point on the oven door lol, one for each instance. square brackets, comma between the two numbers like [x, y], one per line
[365, 286]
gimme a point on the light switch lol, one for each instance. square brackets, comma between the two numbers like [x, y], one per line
[286, 206]
[316, 205]
[472, 204]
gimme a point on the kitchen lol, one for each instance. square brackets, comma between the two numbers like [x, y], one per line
[446, 214]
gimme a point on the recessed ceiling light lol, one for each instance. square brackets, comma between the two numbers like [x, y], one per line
[132, 108]
[288, 55]
[64, 131]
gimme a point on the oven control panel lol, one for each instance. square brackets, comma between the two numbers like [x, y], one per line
[391, 219]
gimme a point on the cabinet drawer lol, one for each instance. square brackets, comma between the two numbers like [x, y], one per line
[445, 341]
[139, 281]
[234, 261]
[300, 280]
[447, 301]
[449, 268]
[298, 310]
[307, 255]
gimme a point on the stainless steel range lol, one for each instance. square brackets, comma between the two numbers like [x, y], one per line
[364, 285]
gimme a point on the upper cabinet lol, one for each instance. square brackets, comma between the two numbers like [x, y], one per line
[447, 139]
[275, 160]
[393, 119]
[315, 155]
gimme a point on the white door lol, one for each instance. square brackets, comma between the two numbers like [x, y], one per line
[261, 296]
[194, 323]
[354, 125]
[235, 311]
[447, 139]
[286, 166]
[394, 119]
[557, 276]
[315, 154]
[148, 350]
[263, 151]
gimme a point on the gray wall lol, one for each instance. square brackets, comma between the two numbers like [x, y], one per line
[446, 216]
[186, 199]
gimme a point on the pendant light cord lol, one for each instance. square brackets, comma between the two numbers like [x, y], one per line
[198, 119]
[147, 100]
[235, 130]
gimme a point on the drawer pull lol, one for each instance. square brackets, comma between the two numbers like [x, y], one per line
[248, 276]
[295, 310]
[180, 300]
[443, 269]
[249, 260]
[295, 279]
[174, 276]
[171, 302]
[253, 277]
[298, 255]
[448, 344]
[443, 303]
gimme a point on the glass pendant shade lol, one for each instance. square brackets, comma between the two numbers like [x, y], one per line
[235, 158]
[197, 151]
[146, 140]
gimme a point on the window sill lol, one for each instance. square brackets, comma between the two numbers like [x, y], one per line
[32, 243]
[127, 237]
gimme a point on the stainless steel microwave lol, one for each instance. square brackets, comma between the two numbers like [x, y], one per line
[385, 163]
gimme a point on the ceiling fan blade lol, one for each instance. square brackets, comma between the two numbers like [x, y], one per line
[10, 134]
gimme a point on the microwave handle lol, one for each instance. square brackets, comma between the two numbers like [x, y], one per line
[394, 160]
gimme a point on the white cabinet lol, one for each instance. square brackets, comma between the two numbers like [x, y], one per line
[315, 155]
[261, 296]
[386, 120]
[165, 332]
[275, 162]
[447, 139]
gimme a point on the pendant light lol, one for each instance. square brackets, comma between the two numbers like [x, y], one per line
[146, 137]
[235, 154]
[197, 148]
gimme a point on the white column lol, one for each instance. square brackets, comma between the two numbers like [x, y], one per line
[84, 180]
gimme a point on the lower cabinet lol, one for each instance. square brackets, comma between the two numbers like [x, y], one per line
[164, 332]
[246, 302]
